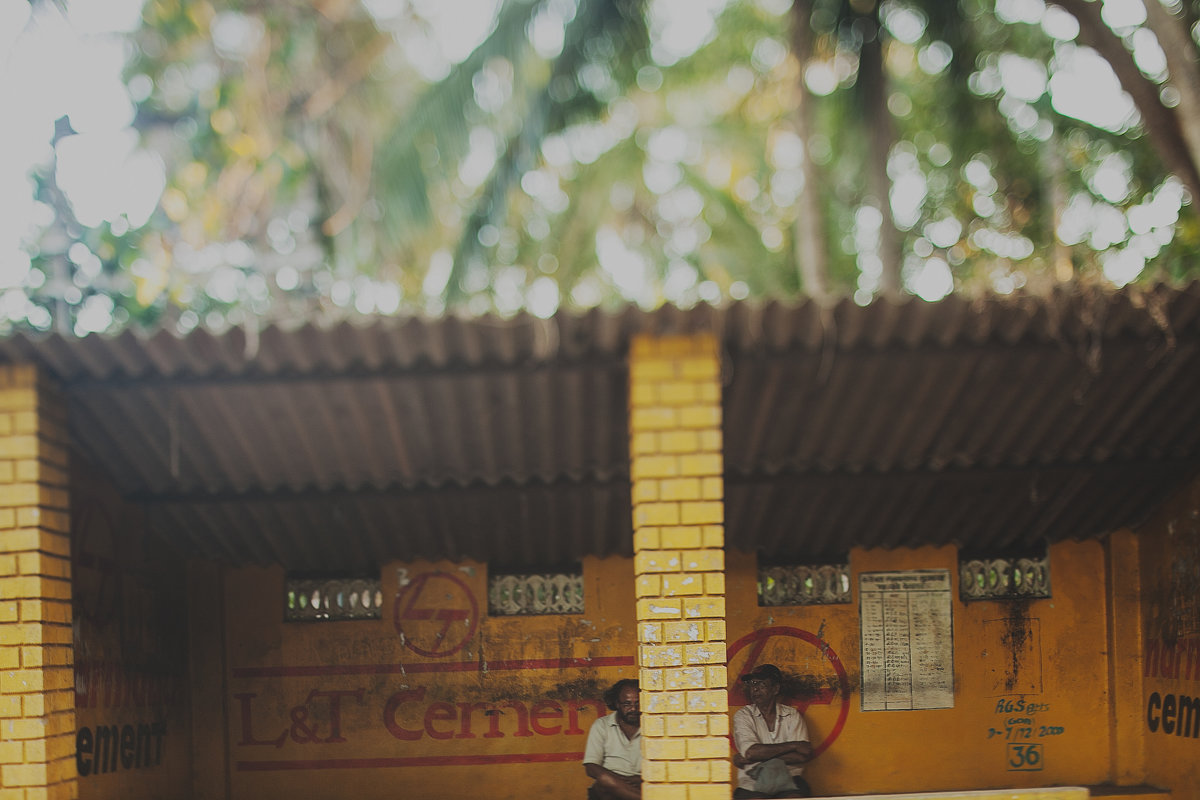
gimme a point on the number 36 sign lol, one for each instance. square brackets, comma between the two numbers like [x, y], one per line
[1025, 757]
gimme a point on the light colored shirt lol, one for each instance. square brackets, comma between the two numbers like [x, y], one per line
[750, 728]
[608, 746]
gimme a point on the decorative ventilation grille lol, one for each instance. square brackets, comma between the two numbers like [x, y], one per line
[515, 595]
[332, 599]
[1003, 578]
[804, 585]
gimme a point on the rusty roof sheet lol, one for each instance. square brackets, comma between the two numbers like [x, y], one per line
[991, 423]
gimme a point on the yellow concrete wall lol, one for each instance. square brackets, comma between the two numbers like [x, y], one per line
[419, 725]
[1058, 700]
[1170, 577]
[37, 715]
[132, 737]
[457, 704]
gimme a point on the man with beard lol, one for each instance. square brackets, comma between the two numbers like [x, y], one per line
[613, 758]
[771, 740]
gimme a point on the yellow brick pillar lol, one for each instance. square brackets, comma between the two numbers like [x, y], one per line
[37, 681]
[679, 562]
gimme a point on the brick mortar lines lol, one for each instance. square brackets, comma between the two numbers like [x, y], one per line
[36, 648]
[678, 521]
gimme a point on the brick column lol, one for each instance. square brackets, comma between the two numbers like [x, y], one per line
[679, 562]
[37, 681]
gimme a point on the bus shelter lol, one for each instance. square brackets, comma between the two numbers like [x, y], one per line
[398, 555]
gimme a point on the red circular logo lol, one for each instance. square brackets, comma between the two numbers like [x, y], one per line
[825, 700]
[436, 614]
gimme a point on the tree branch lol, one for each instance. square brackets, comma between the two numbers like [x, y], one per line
[1180, 53]
[1163, 126]
[809, 249]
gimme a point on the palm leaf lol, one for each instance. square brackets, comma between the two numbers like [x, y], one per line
[619, 22]
[435, 129]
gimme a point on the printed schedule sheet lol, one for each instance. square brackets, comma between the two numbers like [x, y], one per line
[907, 640]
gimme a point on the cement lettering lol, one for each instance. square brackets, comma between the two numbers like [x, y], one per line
[1173, 715]
[408, 716]
[441, 720]
[108, 748]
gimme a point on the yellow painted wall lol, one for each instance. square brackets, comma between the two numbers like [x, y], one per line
[1060, 673]
[1170, 576]
[132, 734]
[399, 715]
[443, 705]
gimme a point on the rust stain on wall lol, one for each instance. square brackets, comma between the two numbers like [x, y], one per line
[1016, 639]
[1182, 620]
[1012, 651]
[814, 687]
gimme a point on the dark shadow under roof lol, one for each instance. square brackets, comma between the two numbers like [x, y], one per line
[993, 424]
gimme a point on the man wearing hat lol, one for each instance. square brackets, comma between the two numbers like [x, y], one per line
[771, 740]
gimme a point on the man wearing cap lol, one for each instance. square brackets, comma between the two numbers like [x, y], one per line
[613, 756]
[771, 740]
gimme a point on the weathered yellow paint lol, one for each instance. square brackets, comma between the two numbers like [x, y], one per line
[1170, 656]
[354, 709]
[1125, 662]
[1060, 671]
[563, 663]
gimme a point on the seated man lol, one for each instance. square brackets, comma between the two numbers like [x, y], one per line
[613, 757]
[771, 740]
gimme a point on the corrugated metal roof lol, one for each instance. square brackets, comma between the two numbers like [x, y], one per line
[990, 423]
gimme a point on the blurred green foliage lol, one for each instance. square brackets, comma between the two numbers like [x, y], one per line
[317, 161]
